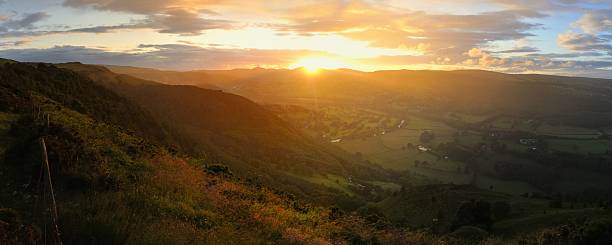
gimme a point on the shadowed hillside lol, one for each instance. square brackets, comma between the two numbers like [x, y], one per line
[234, 130]
[112, 186]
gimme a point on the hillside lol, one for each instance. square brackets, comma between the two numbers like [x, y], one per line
[467, 91]
[250, 139]
[118, 182]
[113, 186]
[381, 115]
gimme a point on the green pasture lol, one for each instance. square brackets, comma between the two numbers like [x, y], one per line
[567, 132]
[580, 146]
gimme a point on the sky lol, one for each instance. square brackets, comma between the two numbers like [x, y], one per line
[563, 37]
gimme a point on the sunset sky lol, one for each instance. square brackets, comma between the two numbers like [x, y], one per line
[567, 37]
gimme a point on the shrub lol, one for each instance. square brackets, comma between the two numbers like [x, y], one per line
[218, 169]
[471, 233]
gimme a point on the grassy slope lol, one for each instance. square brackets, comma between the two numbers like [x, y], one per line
[112, 186]
[236, 131]
[154, 197]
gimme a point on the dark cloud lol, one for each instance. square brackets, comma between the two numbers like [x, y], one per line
[106, 29]
[174, 21]
[567, 55]
[584, 42]
[180, 21]
[24, 22]
[140, 7]
[184, 17]
[519, 50]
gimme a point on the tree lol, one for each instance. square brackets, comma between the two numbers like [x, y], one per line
[427, 136]
[501, 209]
[477, 213]
[555, 203]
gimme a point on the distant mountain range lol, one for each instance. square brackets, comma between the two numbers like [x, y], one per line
[470, 91]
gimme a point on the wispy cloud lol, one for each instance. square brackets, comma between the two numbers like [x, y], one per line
[168, 56]
[23, 22]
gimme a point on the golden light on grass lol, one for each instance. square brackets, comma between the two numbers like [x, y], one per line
[312, 65]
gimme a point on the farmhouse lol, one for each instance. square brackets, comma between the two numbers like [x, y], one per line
[422, 148]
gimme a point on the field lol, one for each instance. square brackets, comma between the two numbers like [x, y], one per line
[382, 139]
[397, 150]
[517, 124]
[386, 185]
[395, 143]
[567, 132]
[467, 118]
[511, 187]
[580, 146]
[469, 139]
[331, 181]
[546, 218]
[336, 122]
[422, 205]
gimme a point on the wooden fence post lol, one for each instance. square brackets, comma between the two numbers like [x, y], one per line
[54, 215]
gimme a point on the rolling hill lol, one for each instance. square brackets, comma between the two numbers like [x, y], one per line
[139, 162]
[235, 131]
[112, 185]
[464, 91]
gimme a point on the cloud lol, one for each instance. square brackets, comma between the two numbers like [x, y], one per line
[168, 56]
[584, 42]
[567, 55]
[454, 37]
[444, 34]
[483, 58]
[189, 57]
[184, 17]
[596, 21]
[536, 63]
[106, 29]
[551, 5]
[378, 24]
[176, 21]
[26, 22]
[12, 44]
[519, 50]
[181, 21]
[139, 7]
[595, 35]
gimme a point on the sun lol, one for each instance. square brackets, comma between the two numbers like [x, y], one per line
[312, 65]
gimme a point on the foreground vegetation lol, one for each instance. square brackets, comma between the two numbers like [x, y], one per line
[122, 175]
